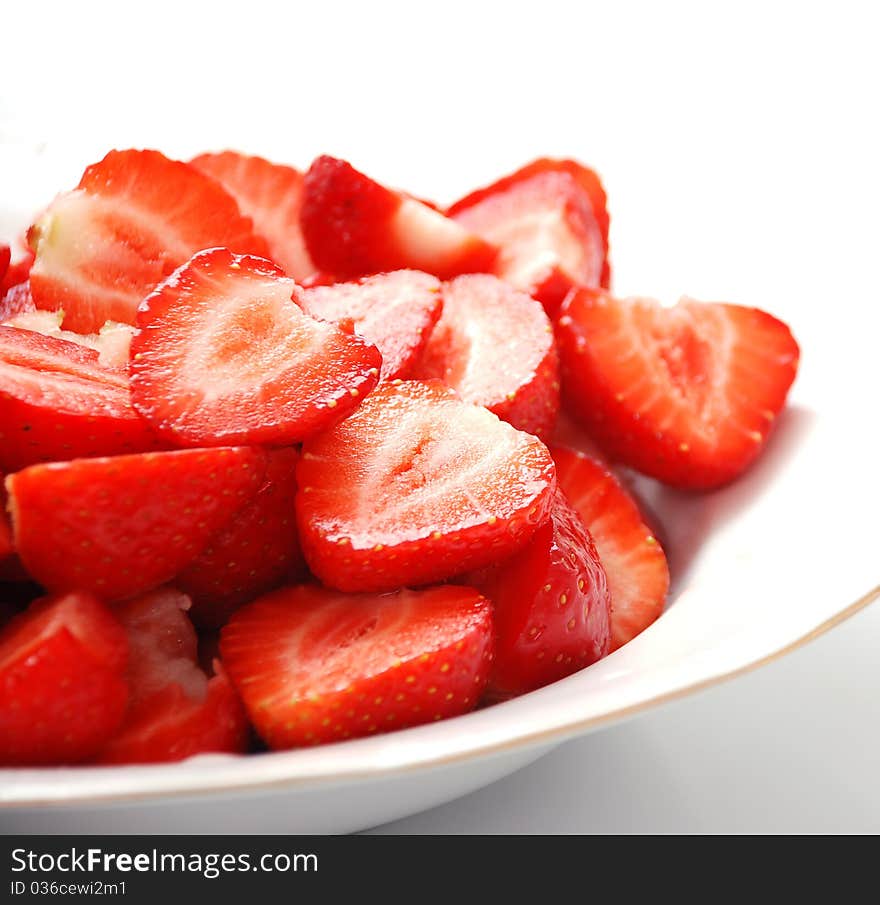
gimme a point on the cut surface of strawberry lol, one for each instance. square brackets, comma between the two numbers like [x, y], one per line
[395, 311]
[118, 526]
[354, 227]
[223, 355]
[314, 665]
[415, 487]
[15, 273]
[134, 218]
[686, 394]
[494, 346]
[62, 684]
[271, 195]
[18, 300]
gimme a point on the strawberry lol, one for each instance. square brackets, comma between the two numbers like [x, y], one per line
[6, 547]
[687, 394]
[494, 346]
[313, 665]
[254, 553]
[551, 603]
[18, 300]
[5, 257]
[638, 576]
[271, 195]
[14, 273]
[354, 227]
[58, 402]
[394, 311]
[415, 487]
[175, 710]
[550, 222]
[222, 355]
[134, 218]
[121, 525]
[62, 684]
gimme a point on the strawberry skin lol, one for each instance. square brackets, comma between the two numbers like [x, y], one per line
[134, 218]
[313, 665]
[354, 227]
[416, 487]
[117, 526]
[62, 682]
[395, 311]
[494, 346]
[14, 274]
[687, 394]
[223, 355]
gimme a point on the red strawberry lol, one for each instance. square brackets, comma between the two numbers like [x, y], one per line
[551, 603]
[223, 355]
[254, 553]
[15, 272]
[57, 402]
[122, 525]
[417, 486]
[354, 227]
[638, 577]
[551, 224]
[494, 346]
[394, 311]
[5, 257]
[175, 710]
[6, 548]
[18, 300]
[271, 195]
[133, 219]
[686, 394]
[62, 685]
[314, 665]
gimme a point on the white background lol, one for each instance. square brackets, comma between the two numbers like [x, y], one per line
[739, 148]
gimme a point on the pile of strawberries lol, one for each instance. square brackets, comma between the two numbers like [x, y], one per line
[284, 459]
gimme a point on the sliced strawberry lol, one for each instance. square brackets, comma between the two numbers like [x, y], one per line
[133, 219]
[314, 665]
[394, 311]
[62, 684]
[122, 525]
[256, 552]
[638, 576]
[15, 272]
[58, 402]
[354, 227]
[550, 222]
[494, 346]
[417, 486]
[223, 355]
[271, 195]
[687, 394]
[18, 300]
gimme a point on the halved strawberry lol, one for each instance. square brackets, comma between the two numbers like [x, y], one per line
[494, 346]
[314, 665]
[687, 394]
[175, 710]
[354, 227]
[223, 355]
[255, 552]
[18, 300]
[122, 525]
[58, 402]
[415, 487]
[394, 311]
[134, 218]
[62, 681]
[271, 195]
[550, 223]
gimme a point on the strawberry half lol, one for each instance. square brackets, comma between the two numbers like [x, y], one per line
[134, 218]
[271, 195]
[122, 525]
[223, 355]
[550, 222]
[395, 311]
[62, 681]
[415, 487]
[314, 665]
[638, 576]
[686, 394]
[494, 346]
[354, 227]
